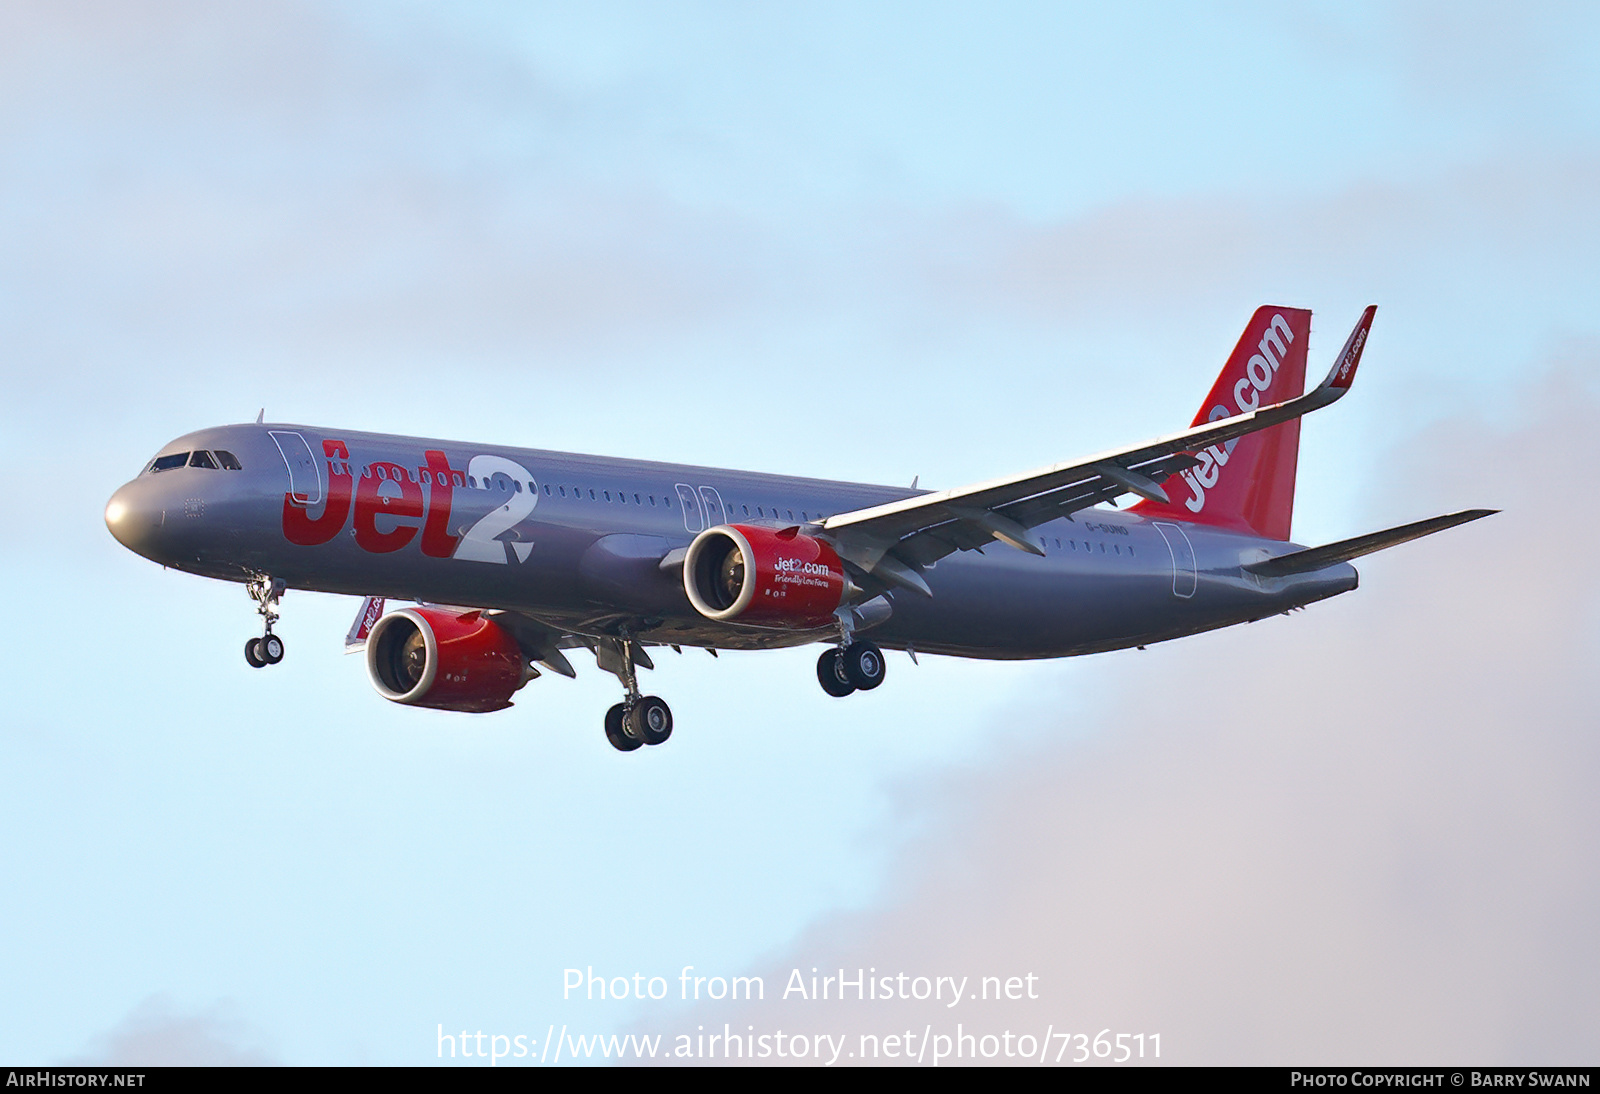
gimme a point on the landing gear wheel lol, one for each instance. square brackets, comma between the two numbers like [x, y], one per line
[863, 664]
[616, 734]
[830, 674]
[650, 720]
[252, 655]
[270, 649]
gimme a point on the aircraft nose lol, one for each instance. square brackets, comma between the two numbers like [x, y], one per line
[135, 515]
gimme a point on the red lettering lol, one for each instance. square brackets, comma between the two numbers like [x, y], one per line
[298, 525]
[437, 542]
[370, 505]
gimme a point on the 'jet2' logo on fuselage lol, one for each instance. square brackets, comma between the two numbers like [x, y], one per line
[1247, 390]
[405, 503]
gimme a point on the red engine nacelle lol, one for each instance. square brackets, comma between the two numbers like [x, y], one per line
[426, 657]
[736, 572]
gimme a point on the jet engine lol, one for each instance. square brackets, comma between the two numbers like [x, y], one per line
[428, 657]
[740, 573]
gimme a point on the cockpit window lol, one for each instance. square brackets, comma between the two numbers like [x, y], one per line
[168, 462]
[228, 460]
[203, 458]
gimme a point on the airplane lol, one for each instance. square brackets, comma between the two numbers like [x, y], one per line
[513, 556]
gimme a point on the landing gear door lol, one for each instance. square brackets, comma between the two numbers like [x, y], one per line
[1184, 579]
[305, 477]
[715, 514]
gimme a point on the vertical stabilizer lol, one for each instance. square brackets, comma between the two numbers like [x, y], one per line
[1247, 485]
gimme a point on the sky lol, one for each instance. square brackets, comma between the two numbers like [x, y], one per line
[867, 242]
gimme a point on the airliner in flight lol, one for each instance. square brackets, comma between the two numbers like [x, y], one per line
[512, 557]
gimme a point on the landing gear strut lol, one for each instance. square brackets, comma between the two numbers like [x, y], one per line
[268, 649]
[637, 720]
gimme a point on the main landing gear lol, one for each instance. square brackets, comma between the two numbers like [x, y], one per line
[638, 719]
[645, 721]
[858, 666]
[268, 649]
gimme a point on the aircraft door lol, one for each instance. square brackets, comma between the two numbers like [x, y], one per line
[693, 519]
[1184, 579]
[305, 477]
[715, 514]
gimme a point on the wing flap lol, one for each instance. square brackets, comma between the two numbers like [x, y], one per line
[540, 643]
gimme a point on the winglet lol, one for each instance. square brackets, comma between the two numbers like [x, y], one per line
[1344, 368]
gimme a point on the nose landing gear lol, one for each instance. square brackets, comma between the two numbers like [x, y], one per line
[268, 649]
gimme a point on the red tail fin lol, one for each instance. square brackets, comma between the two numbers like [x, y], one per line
[1247, 485]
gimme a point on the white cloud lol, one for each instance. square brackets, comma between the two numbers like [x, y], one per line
[156, 1033]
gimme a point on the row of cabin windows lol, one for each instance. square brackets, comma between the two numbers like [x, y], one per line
[772, 511]
[221, 461]
[560, 490]
[618, 496]
[640, 498]
[1088, 548]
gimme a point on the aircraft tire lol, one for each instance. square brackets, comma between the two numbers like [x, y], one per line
[863, 664]
[615, 732]
[270, 649]
[252, 656]
[650, 720]
[830, 674]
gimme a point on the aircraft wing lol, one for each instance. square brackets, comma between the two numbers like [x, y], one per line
[893, 541]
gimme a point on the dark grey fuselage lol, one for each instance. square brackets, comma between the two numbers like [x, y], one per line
[587, 535]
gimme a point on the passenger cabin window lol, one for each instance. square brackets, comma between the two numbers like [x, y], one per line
[228, 460]
[167, 463]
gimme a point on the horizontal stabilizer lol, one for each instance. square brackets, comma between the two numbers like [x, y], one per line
[367, 615]
[1317, 558]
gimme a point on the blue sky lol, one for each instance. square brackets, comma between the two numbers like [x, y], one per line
[865, 242]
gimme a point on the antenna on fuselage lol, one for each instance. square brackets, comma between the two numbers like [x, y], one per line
[261, 416]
